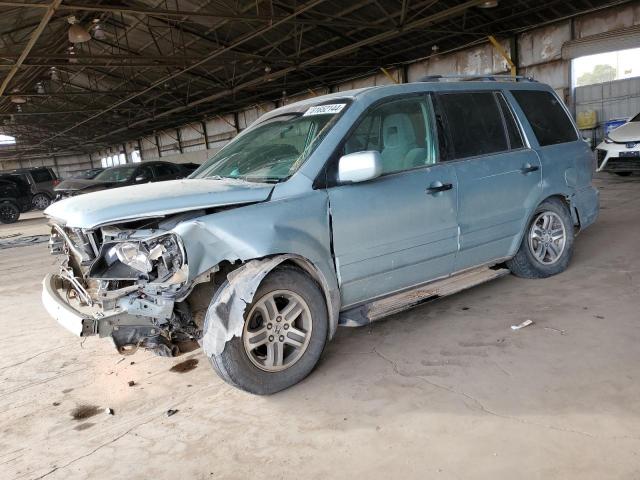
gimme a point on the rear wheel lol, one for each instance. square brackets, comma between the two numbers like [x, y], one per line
[547, 245]
[284, 335]
[9, 212]
[40, 201]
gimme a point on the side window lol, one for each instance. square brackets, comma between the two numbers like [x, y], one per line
[547, 117]
[513, 131]
[401, 130]
[473, 122]
[163, 170]
[146, 172]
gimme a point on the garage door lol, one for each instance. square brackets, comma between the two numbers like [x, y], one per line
[620, 39]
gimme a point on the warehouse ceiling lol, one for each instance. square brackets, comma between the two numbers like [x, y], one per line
[150, 65]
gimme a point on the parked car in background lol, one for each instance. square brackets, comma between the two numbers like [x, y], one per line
[15, 197]
[87, 174]
[189, 168]
[120, 176]
[42, 181]
[619, 153]
[337, 210]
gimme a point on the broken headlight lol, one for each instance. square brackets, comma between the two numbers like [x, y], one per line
[133, 256]
[156, 259]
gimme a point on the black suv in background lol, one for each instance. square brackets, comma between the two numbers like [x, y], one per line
[42, 181]
[15, 197]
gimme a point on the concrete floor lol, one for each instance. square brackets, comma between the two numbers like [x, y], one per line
[445, 391]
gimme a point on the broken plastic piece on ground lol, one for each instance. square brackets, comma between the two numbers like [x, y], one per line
[171, 411]
[526, 323]
[108, 411]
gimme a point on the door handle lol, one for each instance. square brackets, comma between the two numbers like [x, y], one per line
[437, 187]
[529, 168]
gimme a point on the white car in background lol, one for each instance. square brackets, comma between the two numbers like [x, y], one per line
[619, 153]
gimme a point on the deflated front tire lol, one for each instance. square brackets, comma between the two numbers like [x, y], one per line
[283, 337]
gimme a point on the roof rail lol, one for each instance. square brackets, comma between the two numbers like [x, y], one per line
[471, 78]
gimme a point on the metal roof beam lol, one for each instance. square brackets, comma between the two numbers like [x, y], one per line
[51, 8]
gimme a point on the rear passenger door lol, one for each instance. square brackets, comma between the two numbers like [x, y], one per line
[499, 176]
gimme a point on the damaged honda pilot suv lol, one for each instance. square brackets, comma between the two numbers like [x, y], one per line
[337, 210]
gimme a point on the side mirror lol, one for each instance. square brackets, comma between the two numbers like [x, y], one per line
[359, 167]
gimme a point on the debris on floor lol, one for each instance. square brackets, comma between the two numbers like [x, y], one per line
[108, 411]
[171, 412]
[526, 323]
[131, 383]
[561, 332]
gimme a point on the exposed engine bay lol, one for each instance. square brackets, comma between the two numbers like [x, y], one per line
[132, 278]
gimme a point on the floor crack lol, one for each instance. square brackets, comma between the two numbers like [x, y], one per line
[481, 407]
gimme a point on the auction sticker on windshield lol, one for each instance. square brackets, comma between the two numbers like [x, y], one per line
[325, 109]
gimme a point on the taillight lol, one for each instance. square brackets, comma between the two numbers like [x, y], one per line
[56, 182]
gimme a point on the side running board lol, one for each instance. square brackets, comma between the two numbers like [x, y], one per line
[370, 312]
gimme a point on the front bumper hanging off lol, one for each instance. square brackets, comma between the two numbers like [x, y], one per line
[77, 322]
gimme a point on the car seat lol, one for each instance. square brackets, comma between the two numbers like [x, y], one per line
[400, 150]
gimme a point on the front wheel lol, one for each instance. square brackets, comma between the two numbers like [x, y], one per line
[9, 212]
[284, 334]
[547, 245]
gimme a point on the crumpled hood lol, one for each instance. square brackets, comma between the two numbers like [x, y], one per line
[629, 132]
[154, 200]
[75, 184]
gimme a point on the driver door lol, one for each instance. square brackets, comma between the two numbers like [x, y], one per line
[400, 229]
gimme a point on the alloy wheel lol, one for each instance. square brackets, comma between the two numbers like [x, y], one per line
[547, 237]
[277, 331]
[8, 213]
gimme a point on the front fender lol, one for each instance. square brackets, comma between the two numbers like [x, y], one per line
[296, 227]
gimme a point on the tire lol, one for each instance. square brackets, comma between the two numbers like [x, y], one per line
[9, 212]
[527, 262]
[249, 369]
[40, 201]
[623, 174]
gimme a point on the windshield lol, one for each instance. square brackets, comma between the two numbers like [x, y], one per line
[118, 174]
[274, 149]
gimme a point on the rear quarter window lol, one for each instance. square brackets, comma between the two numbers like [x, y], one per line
[547, 117]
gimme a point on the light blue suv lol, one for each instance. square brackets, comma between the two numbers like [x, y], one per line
[338, 210]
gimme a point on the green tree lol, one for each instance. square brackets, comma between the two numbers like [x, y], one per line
[599, 74]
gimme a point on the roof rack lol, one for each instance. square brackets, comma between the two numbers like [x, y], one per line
[471, 78]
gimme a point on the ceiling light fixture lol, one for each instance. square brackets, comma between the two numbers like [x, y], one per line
[16, 98]
[53, 71]
[98, 32]
[76, 33]
[488, 4]
[39, 88]
[72, 53]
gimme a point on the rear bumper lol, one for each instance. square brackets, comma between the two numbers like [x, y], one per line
[586, 202]
[78, 323]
